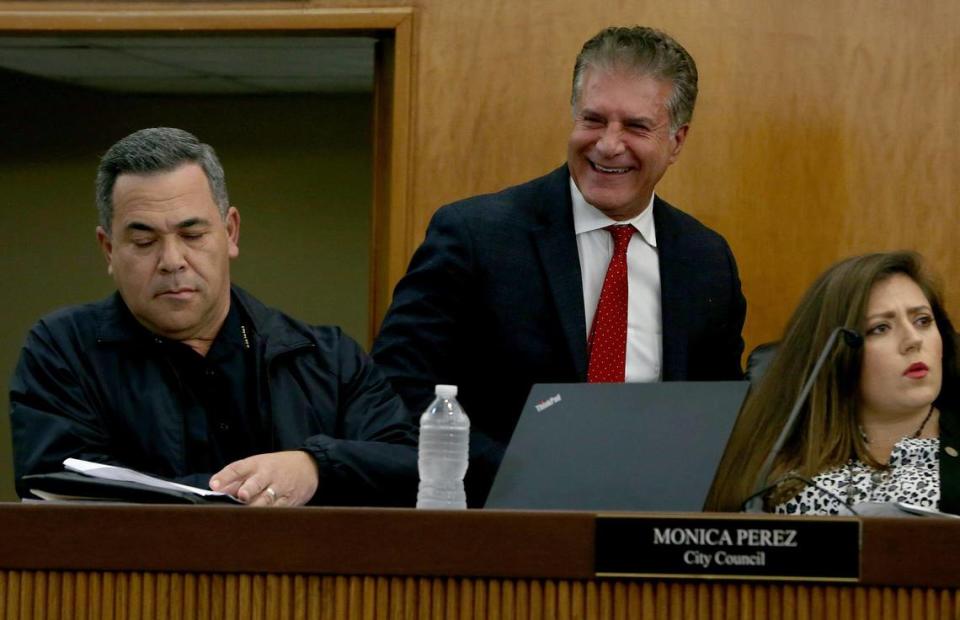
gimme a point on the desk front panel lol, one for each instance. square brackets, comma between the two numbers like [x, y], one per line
[120, 595]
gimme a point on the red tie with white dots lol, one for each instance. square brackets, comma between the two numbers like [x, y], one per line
[607, 344]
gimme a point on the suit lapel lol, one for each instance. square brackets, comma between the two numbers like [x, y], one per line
[675, 309]
[556, 243]
[949, 464]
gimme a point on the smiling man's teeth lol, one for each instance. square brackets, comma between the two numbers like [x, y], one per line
[610, 170]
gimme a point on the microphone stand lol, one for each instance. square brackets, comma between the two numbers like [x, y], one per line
[853, 340]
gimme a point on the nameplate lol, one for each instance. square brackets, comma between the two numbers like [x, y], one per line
[728, 547]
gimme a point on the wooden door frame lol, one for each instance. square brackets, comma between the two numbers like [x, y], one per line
[393, 156]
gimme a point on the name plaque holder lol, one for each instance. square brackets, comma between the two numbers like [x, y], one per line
[706, 546]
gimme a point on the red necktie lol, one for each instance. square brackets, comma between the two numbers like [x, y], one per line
[608, 336]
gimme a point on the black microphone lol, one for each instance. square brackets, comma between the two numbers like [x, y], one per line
[853, 340]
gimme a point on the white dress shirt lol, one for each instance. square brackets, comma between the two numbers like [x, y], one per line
[595, 247]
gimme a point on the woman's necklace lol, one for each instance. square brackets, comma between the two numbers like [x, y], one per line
[923, 424]
[876, 477]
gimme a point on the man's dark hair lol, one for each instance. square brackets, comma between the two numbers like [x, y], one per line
[648, 52]
[158, 149]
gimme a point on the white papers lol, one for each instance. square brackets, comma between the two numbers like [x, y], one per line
[122, 474]
[897, 509]
[924, 512]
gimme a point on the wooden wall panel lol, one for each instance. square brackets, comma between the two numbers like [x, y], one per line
[122, 596]
[823, 128]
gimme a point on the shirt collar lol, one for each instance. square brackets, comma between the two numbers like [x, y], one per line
[587, 218]
[117, 324]
[232, 334]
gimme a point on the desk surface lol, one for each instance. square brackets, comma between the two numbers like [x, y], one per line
[356, 541]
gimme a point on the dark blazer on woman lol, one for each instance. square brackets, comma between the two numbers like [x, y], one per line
[949, 459]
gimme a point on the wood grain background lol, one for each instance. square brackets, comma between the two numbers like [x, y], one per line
[146, 595]
[824, 128]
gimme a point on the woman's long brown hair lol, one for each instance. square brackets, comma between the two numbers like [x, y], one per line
[826, 434]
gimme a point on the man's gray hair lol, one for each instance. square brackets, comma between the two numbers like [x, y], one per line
[158, 149]
[647, 52]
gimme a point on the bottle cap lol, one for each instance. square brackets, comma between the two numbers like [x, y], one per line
[446, 391]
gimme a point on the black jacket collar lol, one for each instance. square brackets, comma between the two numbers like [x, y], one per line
[275, 332]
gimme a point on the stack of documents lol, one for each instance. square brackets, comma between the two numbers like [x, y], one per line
[88, 481]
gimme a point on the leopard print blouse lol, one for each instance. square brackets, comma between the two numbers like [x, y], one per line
[913, 477]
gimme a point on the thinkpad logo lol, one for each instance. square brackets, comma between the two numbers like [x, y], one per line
[550, 402]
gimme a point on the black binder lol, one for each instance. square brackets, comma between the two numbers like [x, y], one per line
[68, 485]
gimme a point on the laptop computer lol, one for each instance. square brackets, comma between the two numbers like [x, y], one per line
[617, 446]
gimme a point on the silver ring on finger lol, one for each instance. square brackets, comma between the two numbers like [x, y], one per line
[273, 494]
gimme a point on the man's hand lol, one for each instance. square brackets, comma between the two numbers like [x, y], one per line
[275, 479]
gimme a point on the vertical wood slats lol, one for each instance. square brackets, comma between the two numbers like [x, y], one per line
[141, 595]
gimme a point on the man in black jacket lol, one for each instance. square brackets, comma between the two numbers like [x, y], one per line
[182, 375]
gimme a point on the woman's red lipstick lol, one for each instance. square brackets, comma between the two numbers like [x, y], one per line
[916, 370]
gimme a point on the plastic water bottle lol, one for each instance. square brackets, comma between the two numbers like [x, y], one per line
[442, 455]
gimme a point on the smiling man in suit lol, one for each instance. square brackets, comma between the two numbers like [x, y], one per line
[584, 274]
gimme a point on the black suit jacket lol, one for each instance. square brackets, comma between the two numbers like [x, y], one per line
[949, 459]
[492, 302]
